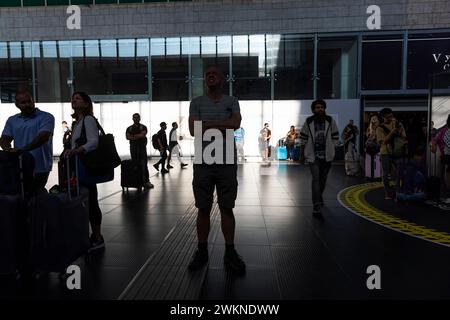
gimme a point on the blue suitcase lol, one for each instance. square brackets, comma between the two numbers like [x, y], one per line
[282, 153]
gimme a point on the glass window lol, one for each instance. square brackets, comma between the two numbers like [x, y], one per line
[15, 50]
[10, 3]
[52, 70]
[3, 50]
[170, 70]
[109, 48]
[293, 60]
[111, 67]
[425, 57]
[336, 68]
[33, 2]
[27, 50]
[49, 49]
[142, 48]
[91, 48]
[15, 69]
[213, 51]
[190, 45]
[64, 49]
[77, 48]
[251, 77]
[381, 64]
[173, 46]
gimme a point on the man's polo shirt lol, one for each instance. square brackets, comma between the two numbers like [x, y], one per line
[24, 130]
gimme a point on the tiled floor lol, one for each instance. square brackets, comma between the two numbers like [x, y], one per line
[289, 254]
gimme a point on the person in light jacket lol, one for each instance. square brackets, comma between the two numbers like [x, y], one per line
[319, 137]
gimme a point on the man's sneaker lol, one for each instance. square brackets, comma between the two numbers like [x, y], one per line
[233, 261]
[169, 166]
[96, 244]
[148, 185]
[156, 167]
[198, 260]
[163, 171]
[183, 165]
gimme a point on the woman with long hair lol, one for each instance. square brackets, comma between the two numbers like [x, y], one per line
[371, 133]
[84, 141]
[442, 140]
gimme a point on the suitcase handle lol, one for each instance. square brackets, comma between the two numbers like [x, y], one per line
[21, 177]
[69, 189]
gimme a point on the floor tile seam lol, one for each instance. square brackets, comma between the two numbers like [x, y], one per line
[193, 216]
[162, 259]
[142, 270]
[214, 210]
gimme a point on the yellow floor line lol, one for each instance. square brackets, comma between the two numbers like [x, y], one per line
[353, 199]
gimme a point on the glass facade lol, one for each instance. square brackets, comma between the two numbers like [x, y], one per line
[16, 68]
[29, 3]
[382, 64]
[51, 70]
[256, 67]
[170, 70]
[251, 75]
[293, 63]
[337, 61]
[425, 57]
[111, 67]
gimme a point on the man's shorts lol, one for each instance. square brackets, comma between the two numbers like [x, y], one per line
[223, 177]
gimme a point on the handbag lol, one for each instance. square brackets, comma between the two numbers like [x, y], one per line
[104, 159]
[88, 180]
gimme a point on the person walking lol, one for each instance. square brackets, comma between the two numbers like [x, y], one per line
[163, 146]
[174, 147]
[319, 136]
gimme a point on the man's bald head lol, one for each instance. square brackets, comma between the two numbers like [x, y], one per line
[214, 77]
[25, 102]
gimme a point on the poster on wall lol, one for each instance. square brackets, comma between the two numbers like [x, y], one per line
[427, 57]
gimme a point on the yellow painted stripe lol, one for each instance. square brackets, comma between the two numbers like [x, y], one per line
[353, 199]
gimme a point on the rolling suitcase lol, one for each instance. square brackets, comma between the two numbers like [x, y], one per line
[372, 167]
[13, 236]
[9, 233]
[16, 173]
[132, 175]
[59, 228]
[281, 153]
[433, 181]
[351, 163]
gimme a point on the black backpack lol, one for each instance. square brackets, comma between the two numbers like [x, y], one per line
[155, 142]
